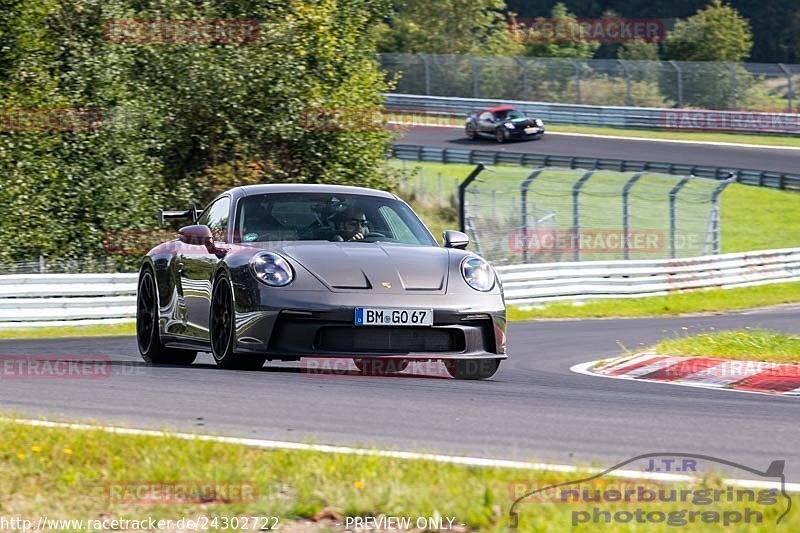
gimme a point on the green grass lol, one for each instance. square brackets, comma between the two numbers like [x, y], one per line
[712, 300]
[747, 344]
[699, 136]
[64, 473]
[69, 331]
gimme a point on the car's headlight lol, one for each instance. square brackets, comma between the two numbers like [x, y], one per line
[539, 122]
[509, 125]
[477, 273]
[272, 269]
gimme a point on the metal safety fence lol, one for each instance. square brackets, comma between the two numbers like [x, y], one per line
[603, 82]
[42, 299]
[532, 284]
[545, 215]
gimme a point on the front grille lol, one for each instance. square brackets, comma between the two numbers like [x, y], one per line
[389, 340]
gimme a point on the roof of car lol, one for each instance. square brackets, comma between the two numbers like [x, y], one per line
[499, 108]
[248, 190]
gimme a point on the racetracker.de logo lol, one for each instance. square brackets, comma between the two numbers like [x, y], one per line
[23, 120]
[55, 367]
[729, 120]
[180, 492]
[588, 240]
[601, 30]
[129, 31]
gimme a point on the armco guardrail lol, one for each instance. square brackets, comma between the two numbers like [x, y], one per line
[761, 178]
[28, 299]
[537, 283]
[618, 117]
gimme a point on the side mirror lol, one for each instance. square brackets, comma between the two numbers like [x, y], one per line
[197, 234]
[455, 239]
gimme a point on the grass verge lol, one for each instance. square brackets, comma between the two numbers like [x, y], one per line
[66, 473]
[705, 301]
[747, 344]
[97, 330]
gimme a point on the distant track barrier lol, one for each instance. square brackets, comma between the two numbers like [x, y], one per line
[73, 299]
[760, 178]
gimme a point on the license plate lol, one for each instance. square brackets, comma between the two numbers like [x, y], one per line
[530, 130]
[370, 316]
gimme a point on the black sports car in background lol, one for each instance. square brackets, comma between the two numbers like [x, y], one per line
[503, 123]
[290, 271]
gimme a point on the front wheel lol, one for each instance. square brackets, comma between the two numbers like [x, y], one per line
[472, 368]
[499, 136]
[222, 324]
[147, 333]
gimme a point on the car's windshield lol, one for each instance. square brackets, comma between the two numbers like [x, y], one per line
[510, 115]
[329, 217]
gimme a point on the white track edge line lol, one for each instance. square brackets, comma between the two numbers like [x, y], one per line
[622, 137]
[450, 459]
[584, 368]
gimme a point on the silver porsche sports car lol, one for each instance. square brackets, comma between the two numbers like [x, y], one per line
[282, 272]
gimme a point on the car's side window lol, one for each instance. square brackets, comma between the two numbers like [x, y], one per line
[486, 116]
[216, 218]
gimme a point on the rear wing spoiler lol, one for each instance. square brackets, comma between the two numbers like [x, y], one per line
[192, 214]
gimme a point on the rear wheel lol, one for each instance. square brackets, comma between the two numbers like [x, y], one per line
[499, 136]
[472, 368]
[471, 133]
[222, 324]
[380, 367]
[147, 327]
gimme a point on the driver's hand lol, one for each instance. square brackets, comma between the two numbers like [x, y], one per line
[357, 237]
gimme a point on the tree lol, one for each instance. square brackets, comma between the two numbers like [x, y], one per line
[540, 43]
[477, 27]
[716, 33]
[180, 121]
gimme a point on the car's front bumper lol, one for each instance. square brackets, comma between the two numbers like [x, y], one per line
[290, 331]
[521, 135]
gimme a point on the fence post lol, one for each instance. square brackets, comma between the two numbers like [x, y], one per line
[679, 79]
[577, 81]
[427, 68]
[789, 87]
[524, 67]
[716, 240]
[628, 98]
[576, 213]
[734, 88]
[462, 190]
[524, 211]
[626, 223]
[475, 77]
[673, 196]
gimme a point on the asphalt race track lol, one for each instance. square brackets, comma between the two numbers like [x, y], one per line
[772, 159]
[533, 409]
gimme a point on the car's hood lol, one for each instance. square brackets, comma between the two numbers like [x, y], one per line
[388, 268]
[524, 122]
